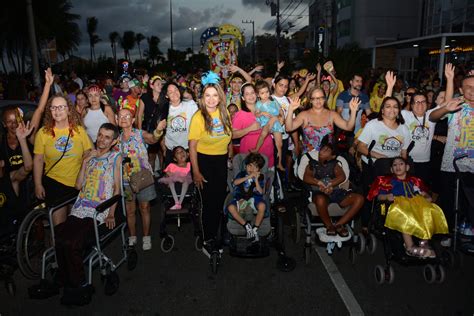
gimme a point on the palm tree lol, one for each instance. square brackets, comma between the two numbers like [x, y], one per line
[53, 20]
[138, 38]
[114, 38]
[153, 53]
[127, 43]
[92, 23]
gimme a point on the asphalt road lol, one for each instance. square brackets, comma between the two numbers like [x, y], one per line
[181, 283]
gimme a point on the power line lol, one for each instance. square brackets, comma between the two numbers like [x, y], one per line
[301, 1]
[289, 4]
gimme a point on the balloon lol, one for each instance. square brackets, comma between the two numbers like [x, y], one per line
[231, 30]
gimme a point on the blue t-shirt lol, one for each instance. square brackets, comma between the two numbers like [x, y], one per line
[247, 189]
[343, 101]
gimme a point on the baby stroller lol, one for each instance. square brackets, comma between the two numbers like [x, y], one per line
[270, 231]
[306, 214]
[192, 205]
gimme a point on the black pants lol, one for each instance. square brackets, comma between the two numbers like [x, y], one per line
[448, 193]
[214, 170]
[422, 170]
[72, 237]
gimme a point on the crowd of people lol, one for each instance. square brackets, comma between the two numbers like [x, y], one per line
[189, 126]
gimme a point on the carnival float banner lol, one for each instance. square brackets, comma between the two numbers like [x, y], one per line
[221, 45]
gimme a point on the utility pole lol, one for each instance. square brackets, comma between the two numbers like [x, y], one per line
[254, 47]
[278, 31]
[171, 23]
[34, 48]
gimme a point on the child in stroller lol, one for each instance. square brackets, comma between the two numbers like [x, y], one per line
[178, 171]
[248, 195]
[411, 212]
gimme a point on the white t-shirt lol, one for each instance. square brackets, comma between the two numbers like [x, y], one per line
[388, 142]
[177, 124]
[422, 132]
[284, 104]
[460, 140]
[92, 122]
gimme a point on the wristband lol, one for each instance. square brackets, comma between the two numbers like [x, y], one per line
[157, 134]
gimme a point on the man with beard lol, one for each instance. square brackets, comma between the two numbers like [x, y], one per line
[345, 97]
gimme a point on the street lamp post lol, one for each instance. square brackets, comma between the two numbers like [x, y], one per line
[192, 29]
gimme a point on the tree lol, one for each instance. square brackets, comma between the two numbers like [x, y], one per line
[127, 43]
[92, 23]
[138, 38]
[153, 53]
[53, 20]
[114, 38]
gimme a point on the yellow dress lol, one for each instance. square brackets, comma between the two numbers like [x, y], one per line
[410, 213]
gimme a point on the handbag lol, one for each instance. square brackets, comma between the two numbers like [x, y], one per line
[140, 180]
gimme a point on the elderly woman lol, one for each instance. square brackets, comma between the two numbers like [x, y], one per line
[132, 146]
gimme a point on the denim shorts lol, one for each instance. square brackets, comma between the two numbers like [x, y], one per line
[336, 196]
[145, 195]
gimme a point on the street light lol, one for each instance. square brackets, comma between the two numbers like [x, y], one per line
[192, 29]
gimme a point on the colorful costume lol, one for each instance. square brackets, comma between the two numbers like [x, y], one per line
[177, 174]
[410, 212]
[272, 108]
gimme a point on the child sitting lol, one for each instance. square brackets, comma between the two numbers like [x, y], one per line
[411, 212]
[325, 175]
[268, 113]
[248, 192]
[178, 171]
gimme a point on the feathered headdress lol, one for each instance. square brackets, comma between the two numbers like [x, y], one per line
[125, 104]
[210, 77]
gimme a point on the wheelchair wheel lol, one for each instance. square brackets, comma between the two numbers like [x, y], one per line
[352, 255]
[429, 273]
[34, 237]
[198, 243]
[167, 244]
[383, 275]
[297, 227]
[360, 243]
[371, 244]
[112, 283]
[10, 287]
[214, 262]
[132, 259]
[307, 254]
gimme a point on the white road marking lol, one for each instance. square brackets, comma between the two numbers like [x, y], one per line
[339, 283]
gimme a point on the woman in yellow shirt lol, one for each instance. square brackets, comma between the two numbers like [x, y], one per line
[59, 147]
[209, 137]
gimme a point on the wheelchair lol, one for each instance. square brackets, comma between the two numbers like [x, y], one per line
[40, 222]
[270, 231]
[306, 215]
[192, 205]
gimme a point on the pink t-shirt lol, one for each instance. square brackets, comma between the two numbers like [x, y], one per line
[177, 170]
[243, 119]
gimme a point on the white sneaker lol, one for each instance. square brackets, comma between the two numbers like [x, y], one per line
[146, 243]
[132, 241]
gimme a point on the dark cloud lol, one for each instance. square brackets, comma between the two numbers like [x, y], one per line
[149, 18]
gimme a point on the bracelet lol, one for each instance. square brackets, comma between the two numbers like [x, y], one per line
[157, 134]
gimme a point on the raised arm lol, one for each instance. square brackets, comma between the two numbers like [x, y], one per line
[452, 105]
[234, 69]
[280, 65]
[390, 79]
[335, 88]
[348, 125]
[19, 175]
[449, 73]
[290, 123]
[36, 119]
[310, 77]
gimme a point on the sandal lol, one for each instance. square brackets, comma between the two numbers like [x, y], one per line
[342, 231]
[425, 244]
[331, 231]
[419, 252]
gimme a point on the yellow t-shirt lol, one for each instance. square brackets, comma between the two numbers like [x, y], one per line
[333, 98]
[214, 143]
[375, 103]
[66, 170]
